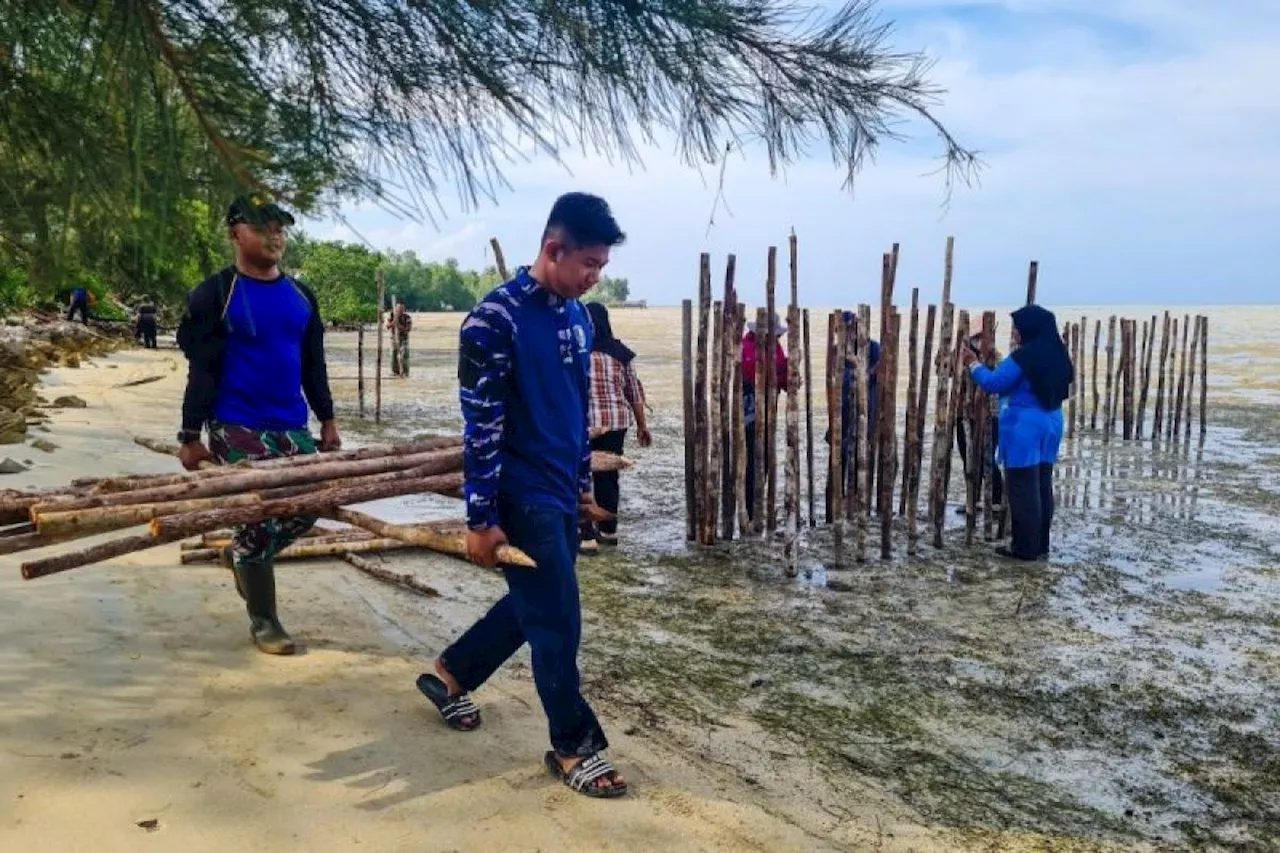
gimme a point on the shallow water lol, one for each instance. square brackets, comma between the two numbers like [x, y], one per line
[1127, 691]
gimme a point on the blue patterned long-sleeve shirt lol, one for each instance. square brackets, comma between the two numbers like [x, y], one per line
[523, 372]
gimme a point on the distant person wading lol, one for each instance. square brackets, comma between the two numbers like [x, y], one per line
[400, 324]
[617, 400]
[254, 343]
[1032, 383]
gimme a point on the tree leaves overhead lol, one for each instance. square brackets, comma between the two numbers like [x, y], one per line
[399, 98]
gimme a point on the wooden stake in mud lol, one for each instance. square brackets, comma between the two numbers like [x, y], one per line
[706, 518]
[758, 489]
[922, 398]
[1203, 375]
[360, 366]
[959, 386]
[1081, 370]
[499, 260]
[1130, 377]
[1144, 361]
[835, 473]
[990, 410]
[1073, 347]
[1108, 414]
[888, 436]
[941, 443]
[792, 491]
[874, 468]
[1191, 376]
[1033, 274]
[377, 370]
[714, 445]
[808, 419]
[740, 428]
[729, 342]
[1182, 377]
[770, 359]
[909, 438]
[1173, 377]
[862, 431]
[974, 409]
[690, 439]
[1157, 427]
[1093, 416]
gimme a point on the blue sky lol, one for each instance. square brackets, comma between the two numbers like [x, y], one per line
[1132, 147]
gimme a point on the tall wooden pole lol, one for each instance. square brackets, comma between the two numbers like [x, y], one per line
[757, 498]
[888, 435]
[740, 428]
[690, 435]
[990, 408]
[922, 396]
[941, 443]
[1143, 379]
[910, 436]
[1082, 370]
[715, 357]
[949, 400]
[835, 472]
[499, 260]
[377, 373]
[808, 419]
[1170, 416]
[1108, 417]
[360, 366]
[1033, 273]
[1157, 427]
[706, 517]
[729, 341]
[1093, 415]
[1204, 374]
[1191, 377]
[791, 547]
[862, 433]
[772, 385]
[1073, 350]
[1182, 376]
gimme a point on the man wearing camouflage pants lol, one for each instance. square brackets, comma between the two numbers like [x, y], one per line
[254, 343]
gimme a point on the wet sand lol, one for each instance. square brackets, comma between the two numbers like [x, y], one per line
[1123, 697]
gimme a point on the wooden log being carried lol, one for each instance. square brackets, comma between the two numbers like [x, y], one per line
[425, 537]
[305, 550]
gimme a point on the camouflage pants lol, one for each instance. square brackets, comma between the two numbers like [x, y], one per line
[261, 542]
[400, 356]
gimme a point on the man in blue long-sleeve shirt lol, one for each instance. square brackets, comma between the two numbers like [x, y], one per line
[525, 354]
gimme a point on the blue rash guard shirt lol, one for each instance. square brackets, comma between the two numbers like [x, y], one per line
[523, 371]
[261, 385]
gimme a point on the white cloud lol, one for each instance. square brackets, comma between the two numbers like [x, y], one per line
[1131, 148]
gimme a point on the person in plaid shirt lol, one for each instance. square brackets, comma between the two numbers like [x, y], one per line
[617, 399]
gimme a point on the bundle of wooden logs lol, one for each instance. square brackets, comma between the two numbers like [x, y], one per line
[195, 504]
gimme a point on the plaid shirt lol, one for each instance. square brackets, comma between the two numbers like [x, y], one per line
[614, 388]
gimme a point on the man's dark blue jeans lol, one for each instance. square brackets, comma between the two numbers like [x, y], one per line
[542, 608]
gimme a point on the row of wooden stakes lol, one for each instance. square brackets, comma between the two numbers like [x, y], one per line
[181, 505]
[886, 458]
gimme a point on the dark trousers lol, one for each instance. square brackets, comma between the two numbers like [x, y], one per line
[81, 308]
[606, 483]
[1030, 509]
[147, 331]
[962, 445]
[542, 608]
[751, 471]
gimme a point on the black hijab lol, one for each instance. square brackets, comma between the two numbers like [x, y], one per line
[1043, 356]
[603, 339]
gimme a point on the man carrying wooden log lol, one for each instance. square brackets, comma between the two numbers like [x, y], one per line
[254, 342]
[523, 371]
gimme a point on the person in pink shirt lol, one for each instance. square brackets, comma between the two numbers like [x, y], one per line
[749, 357]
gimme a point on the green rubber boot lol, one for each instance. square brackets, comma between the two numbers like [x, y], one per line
[257, 581]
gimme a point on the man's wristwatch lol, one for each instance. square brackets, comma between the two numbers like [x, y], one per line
[188, 436]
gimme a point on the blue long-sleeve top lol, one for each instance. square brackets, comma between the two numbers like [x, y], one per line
[523, 372]
[1007, 380]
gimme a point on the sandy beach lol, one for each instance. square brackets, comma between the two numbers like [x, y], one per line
[1122, 698]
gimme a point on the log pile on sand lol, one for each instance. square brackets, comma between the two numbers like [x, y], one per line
[182, 505]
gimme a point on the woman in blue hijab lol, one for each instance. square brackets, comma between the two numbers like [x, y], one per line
[1032, 383]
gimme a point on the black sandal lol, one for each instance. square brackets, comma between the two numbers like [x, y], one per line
[454, 709]
[584, 774]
